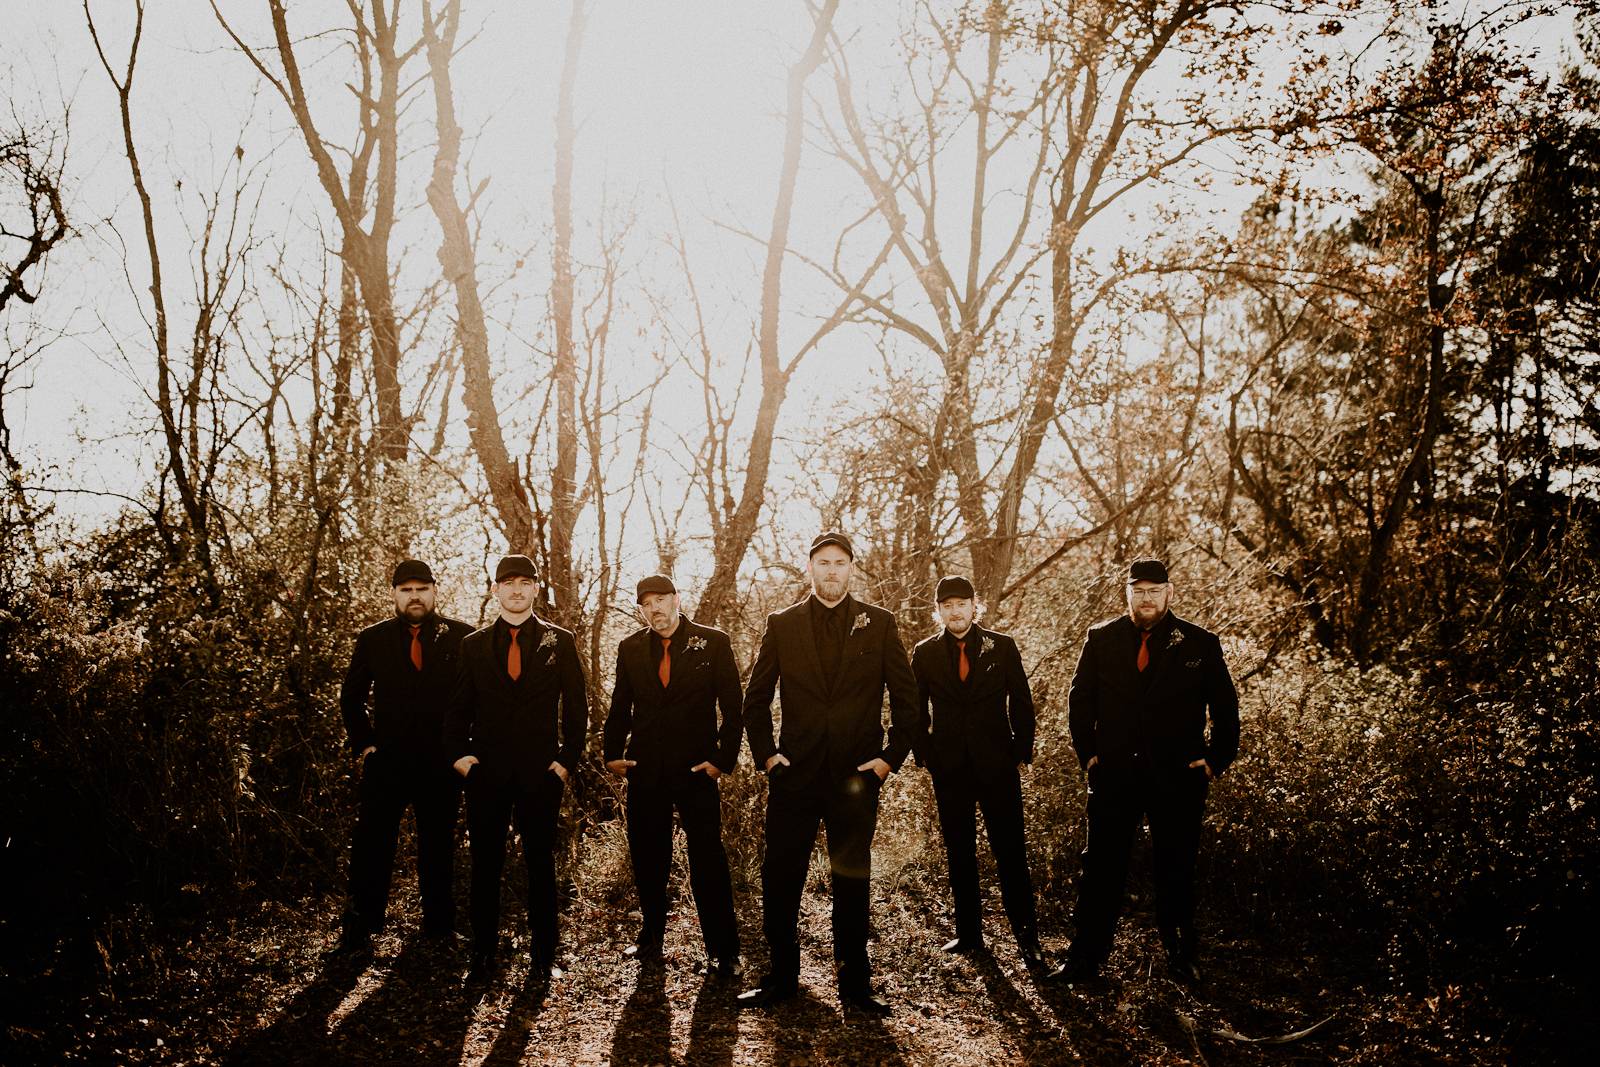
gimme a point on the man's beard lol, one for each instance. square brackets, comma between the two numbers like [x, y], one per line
[413, 612]
[1140, 620]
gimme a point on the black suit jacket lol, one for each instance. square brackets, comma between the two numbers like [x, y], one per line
[828, 731]
[983, 726]
[1129, 720]
[666, 730]
[406, 710]
[517, 728]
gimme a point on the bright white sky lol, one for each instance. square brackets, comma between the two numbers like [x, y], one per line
[680, 98]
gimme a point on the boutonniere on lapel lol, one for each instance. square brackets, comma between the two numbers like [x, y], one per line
[987, 646]
[861, 623]
[1176, 639]
[695, 644]
[440, 630]
[547, 641]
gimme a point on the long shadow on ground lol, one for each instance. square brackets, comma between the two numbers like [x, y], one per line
[512, 1041]
[418, 1016]
[713, 1027]
[300, 1033]
[643, 1034]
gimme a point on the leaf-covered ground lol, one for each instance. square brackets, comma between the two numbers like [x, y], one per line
[265, 991]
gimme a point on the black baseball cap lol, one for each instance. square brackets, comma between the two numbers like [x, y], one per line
[411, 570]
[1147, 569]
[656, 583]
[831, 537]
[953, 585]
[514, 566]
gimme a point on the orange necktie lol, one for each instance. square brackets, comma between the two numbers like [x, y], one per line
[416, 647]
[962, 667]
[514, 655]
[666, 663]
[1144, 649]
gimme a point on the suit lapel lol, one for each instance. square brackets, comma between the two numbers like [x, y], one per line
[684, 659]
[804, 637]
[399, 646]
[853, 636]
[944, 671]
[1165, 655]
[430, 645]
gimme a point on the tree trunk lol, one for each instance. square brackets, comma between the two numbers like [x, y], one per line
[718, 603]
[563, 577]
[456, 257]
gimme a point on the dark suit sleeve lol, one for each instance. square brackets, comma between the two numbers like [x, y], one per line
[758, 698]
[1083, 703]
[904, 716]
[619, 719]
[1019, 705]
[1223, 700]
[574, 704]
[459, 711]
[353, 696]
[730, 704]
[924, 732]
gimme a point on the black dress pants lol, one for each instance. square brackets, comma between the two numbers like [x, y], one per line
[390, 782]
[535, 806]
[848, 809]
[960, 795]
[695, 798]
[1119, 800]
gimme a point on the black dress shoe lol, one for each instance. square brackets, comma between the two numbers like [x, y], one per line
[353, 943]
[725, 969]
[766, 994]
[644, 949]
[483, 966]
[1032, 956]
[1075, 972]
[543, 968]
[964, 945]
[863, 999]
[441, 940]
[1184, 971]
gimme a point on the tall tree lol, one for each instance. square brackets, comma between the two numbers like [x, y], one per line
[507, 491]
[563, 487]
[734, 517]
[356, 195]
[33, 222]
[1343, 438]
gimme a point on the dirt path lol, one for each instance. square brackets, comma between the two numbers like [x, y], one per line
[265, 992]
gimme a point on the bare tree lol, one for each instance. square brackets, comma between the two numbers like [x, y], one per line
[33, 221]
[1334, 432]
[458, 259]
[1095, 128]
[563, 490]
[734, 518]
[365, 246]
[178, 400]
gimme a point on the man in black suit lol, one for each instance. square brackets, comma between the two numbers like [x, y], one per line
[978, 739]
[832, 657]
[393, 702]
[662, 737]
[1137, 710]
[514, 731]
